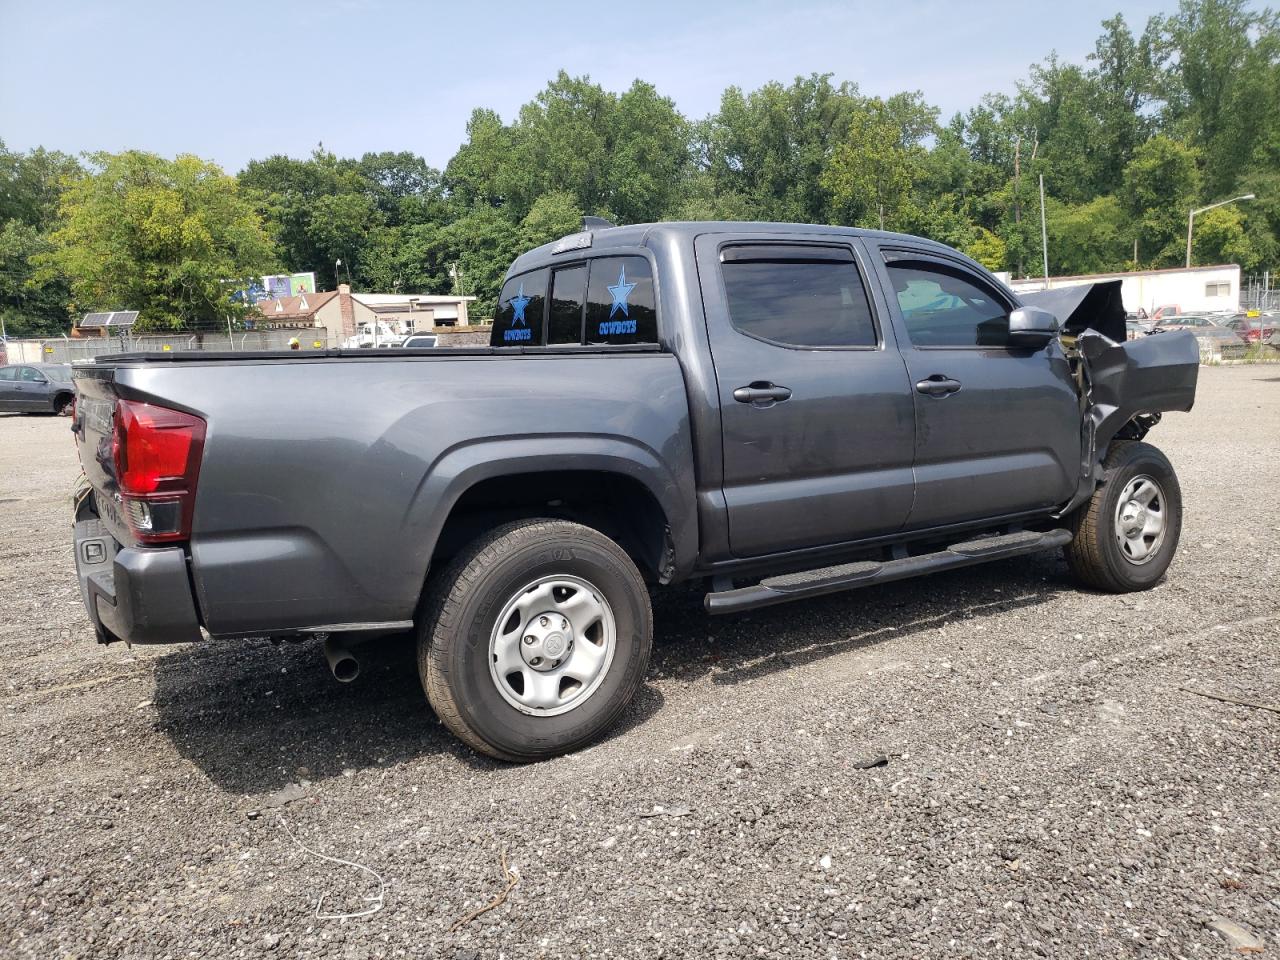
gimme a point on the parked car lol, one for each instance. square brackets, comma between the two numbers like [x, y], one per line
[1168, 310]
[419, 341]
[1254, 329]
[773, 411]
[1196, 323]
[1137, 328]
[36, 388]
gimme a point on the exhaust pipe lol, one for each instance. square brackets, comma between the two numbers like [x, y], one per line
[342, 662]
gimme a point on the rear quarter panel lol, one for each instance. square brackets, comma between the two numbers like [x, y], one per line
[325, 484]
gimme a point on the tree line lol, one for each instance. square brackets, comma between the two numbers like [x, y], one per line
[1183, 113]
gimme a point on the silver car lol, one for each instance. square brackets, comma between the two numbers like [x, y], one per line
[36, 388]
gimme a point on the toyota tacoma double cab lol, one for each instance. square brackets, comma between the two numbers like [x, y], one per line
[772, 411]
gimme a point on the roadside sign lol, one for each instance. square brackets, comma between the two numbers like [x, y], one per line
[166, 348]
[317, 344]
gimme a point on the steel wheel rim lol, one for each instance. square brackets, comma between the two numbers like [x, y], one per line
[1140, 521]
[552, 645]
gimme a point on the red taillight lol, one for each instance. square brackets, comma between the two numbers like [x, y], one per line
[157, 459]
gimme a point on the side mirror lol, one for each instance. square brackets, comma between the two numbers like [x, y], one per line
[1031, 327]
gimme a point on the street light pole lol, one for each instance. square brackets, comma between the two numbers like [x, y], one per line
[1191, 220]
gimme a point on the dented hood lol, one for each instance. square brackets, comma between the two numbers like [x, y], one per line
[1086, 306]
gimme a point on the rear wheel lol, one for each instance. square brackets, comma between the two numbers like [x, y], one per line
[1127, 533]
[64, 404]
[535, 639]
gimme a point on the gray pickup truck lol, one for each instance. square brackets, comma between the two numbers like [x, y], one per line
[775, 411]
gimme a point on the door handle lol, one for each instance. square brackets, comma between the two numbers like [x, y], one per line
[762, 393]
[937, 386]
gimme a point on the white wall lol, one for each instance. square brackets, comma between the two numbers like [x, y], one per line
[1156, 288]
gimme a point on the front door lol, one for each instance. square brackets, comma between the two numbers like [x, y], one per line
[816, 409]
[997, 427]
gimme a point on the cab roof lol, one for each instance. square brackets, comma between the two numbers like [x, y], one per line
[643, 234]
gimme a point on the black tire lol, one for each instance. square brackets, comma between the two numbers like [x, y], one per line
[1095, 555]
[459, 618]
[62, 404]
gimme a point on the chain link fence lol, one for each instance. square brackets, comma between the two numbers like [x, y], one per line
[1260, 293]
[68, 349]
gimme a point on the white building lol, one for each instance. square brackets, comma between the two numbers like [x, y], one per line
[1194, 290]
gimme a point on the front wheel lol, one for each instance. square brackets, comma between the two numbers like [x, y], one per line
[535, 639]
[1127, 533]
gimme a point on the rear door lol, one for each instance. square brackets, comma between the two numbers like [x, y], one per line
[997, 428]
[816, 409]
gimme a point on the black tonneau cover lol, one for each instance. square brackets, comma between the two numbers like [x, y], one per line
[1086, 306]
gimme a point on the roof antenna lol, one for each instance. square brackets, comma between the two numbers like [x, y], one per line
[596, 223]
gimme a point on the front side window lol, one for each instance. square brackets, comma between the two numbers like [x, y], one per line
[944, 308]
[620, 302]
[782, 297]
[521, 306]
[31, 374]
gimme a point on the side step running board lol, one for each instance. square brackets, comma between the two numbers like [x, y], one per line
[848, 576]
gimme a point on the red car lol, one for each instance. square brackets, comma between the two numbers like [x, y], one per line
[1253, 329]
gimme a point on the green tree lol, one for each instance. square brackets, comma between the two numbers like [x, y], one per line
[770, 147]
[160, 236]
[1161, 184]
[30, 186]
[1089, 237]
[553, 215]
[1220, 237]
[870, 172]
[649, 156]
[31, 307]
[1218, 59]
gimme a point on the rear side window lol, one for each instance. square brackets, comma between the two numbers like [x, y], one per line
[620, 302]
[8, 373]
[568, 294]
[798, 298]
[943, 307]
[521, 306]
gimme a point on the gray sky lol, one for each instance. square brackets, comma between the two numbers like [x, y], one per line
[234, 80]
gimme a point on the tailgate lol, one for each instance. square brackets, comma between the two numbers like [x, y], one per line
[93, 427]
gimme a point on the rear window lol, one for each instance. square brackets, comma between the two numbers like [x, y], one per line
[620, 302]
[568, 293]
[521, 306]
[608, 300]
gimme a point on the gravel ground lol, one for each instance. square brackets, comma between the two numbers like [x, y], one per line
[1049, 789]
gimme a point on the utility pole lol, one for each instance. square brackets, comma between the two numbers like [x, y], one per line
[1191, 220]
[1044, 235]
[1017, 195]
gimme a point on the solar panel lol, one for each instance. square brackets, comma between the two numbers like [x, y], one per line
[95, 319]
[122, 318]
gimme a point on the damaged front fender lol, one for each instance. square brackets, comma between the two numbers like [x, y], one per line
[1152, 374]
[1125, 387]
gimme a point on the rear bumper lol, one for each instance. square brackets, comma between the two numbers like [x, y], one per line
[134, 594]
